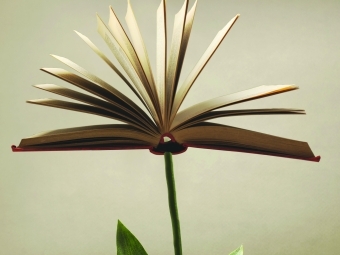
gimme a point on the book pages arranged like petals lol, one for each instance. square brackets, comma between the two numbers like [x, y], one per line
[120, 35]
[88, 86]
[218, 102]
[184, 89]
[139, 46]
[189, 20]
[132, 117]
[100, 82]
[86, 109]
[229, 113]
[161, 58]
[127, 66]
[159, 127]
[110, 64]
[175, 50]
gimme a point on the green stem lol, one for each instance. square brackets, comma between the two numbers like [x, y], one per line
[170, 179]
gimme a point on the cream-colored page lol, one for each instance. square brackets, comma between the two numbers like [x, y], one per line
[88, 109]
[176, 41]
[124, 42]
[139, 46]
[132, 116]
[77, 107]
[127, 66]
[218, 102]
[128, 102]
[189, 20]
[99, 81]
[185, 87]
[92, 88]
[161, 58]
[229, 113]
[109, 63]
[214, 134]
[87, 85]
[90, 132]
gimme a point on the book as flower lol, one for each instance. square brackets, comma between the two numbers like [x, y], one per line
[159, 126]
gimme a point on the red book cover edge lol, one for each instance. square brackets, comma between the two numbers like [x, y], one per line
[154, 151]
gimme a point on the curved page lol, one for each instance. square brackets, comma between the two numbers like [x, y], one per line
[221, 135]
[238, 97]
[184, 89]
[131, 116]
[229, 113]
[96, 133]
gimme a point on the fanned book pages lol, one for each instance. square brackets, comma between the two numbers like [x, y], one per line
[158, 126]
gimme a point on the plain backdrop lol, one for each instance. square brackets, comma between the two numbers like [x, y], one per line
[56, 203]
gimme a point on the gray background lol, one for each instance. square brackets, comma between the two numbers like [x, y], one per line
[69, 202]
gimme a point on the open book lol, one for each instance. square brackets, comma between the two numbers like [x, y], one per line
[159, 125]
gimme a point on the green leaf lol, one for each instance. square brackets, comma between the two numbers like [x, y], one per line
[127, 243]
[238, 251]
